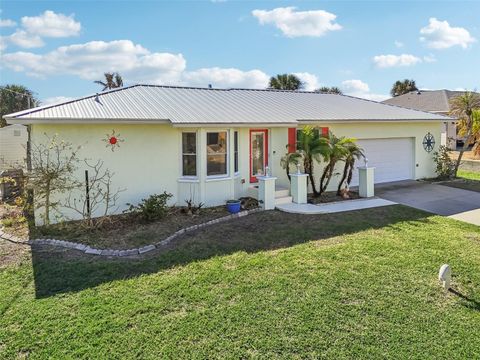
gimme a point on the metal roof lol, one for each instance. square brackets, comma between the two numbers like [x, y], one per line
[184, 105]
[426, 100]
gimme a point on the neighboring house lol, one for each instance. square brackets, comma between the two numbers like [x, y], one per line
[13, 145]
[210, 144]
[434, 101]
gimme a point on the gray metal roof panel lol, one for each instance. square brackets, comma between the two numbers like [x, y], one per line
[183, 105]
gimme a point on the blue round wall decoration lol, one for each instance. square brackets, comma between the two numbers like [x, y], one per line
[428, 142]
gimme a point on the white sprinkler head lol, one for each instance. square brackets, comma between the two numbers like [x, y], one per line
[445, 276]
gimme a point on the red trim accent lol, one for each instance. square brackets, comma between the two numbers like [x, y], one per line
[324, 131]
[253, 179]
[292, 139]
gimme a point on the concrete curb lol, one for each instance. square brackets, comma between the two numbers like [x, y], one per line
[130, 252]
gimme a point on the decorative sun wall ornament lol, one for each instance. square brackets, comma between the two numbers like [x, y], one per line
[113, 140]
[428, 142]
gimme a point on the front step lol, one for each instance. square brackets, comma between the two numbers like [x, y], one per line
[283, 200]
[281, 192]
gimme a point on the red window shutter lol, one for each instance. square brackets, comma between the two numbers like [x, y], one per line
[324, 131]
[292, 139]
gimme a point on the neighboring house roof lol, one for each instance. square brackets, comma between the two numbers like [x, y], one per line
[437, 101]
[184, 105]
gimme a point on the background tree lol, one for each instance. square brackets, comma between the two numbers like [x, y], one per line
[354, 152]
[285, 82]
[15, 98]
[112, 81]
[464, 107]
[403, 87]
[329, 90]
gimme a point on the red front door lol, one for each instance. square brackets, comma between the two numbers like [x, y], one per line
[258, 153]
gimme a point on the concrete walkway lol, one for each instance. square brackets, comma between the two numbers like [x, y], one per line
[334, 207]
[443, 200]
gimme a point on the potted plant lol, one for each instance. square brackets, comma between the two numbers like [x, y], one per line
[233, 206]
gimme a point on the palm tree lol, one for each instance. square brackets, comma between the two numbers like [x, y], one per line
[15, 98]
[313, 147]
[329, 90]
[354, 152]
[463, 107]
[288, 159]
[285, 82]
[337, 151]
[112, 81]
[403, 87]
[476, 132]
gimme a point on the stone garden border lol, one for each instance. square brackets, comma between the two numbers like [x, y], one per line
[130, 252]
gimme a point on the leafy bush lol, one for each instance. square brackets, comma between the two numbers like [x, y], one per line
[445, 165]
[152, 208]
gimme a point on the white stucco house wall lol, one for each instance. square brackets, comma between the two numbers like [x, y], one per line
[209, 144]
[13, 145]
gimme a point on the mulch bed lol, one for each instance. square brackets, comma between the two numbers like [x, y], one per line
[331, 196]
[127, 231]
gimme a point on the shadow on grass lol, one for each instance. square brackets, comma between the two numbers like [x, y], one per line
[468, 302]
[60, 271]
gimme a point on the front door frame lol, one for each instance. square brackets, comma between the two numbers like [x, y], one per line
[253, 178]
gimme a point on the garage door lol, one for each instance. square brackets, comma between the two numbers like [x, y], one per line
[393, 159]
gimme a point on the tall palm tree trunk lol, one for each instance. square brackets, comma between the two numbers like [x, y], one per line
[464, 148]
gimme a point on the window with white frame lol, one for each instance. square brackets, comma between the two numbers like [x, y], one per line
[235, 151]
[217, 153]
[189, 154]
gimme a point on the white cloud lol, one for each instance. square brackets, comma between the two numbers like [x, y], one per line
[3, 43]
[358, 88]
[310, 81]
[231, 77]
[298, 23]
[7, 23]
[399, 44]
[50, 24]
[440, 35]
[350, 86]
[387, 61]
[25, 40]
[135, 63]
[55, 100]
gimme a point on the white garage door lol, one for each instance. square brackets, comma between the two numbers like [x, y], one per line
[393, 159]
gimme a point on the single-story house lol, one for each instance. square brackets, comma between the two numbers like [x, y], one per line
[210, 144]
[434, 101]
[13, 147]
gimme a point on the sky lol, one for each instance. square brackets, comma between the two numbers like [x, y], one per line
[58, 48]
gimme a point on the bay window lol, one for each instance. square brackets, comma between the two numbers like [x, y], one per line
[189, 154]
[217, 153]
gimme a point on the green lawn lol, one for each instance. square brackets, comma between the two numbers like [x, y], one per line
[469, 175]
[270, 285]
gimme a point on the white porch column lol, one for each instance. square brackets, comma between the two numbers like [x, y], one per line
[266, 192]
[202, 162]
[298, 188]
[366, 177]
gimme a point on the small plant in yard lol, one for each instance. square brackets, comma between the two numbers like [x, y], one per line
[445, 166]
[152, 208]
[192, 208]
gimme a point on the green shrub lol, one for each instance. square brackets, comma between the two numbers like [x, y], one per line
[445, 165]
[152, 208]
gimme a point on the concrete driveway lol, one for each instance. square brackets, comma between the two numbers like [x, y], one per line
[438, 199]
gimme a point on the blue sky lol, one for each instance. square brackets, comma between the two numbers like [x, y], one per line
[58, 48]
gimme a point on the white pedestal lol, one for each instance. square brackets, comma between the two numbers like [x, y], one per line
[366, 181]
[266, 192]
[298, 188]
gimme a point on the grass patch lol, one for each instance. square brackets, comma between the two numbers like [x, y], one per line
[467, 180]
[360, 284]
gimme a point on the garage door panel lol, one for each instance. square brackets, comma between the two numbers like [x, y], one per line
[393, 159]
